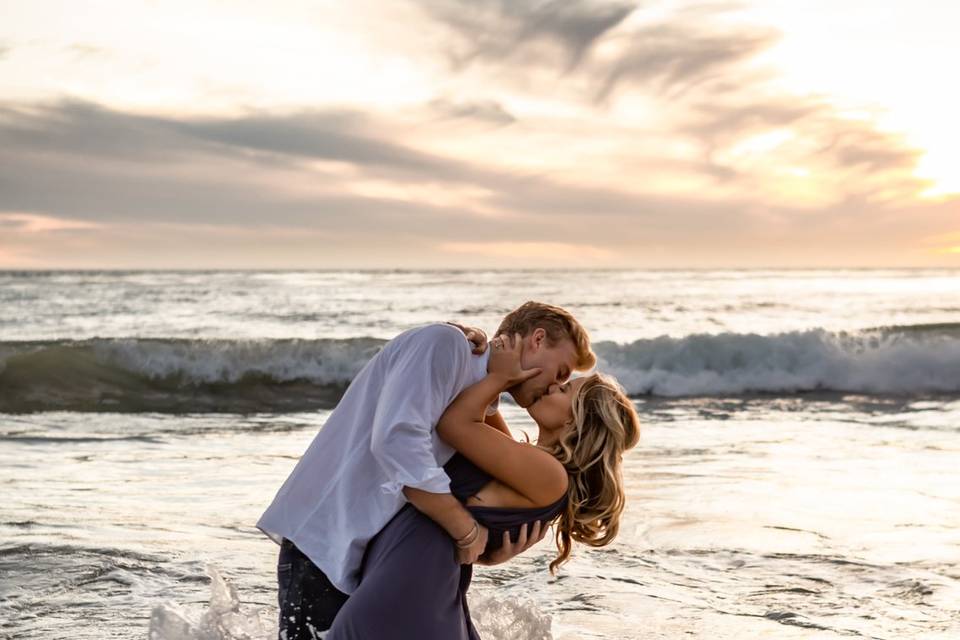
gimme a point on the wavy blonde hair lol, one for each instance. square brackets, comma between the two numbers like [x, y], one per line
[605, 424]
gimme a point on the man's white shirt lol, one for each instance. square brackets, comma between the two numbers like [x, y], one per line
[381, 437]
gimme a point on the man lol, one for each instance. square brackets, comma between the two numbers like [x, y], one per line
[379, 449]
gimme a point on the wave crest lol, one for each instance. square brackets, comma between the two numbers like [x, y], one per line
[890, 360]
[186, 376]
[178, 375]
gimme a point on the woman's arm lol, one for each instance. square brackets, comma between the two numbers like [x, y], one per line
[529, 471]
[497, 422]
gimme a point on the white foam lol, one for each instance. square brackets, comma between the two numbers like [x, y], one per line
[213, 361]
[899, 360]
[221, 620]
[509, 618]
[225, 619]
[704, 364]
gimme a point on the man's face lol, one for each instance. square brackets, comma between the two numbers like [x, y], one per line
[556, 361]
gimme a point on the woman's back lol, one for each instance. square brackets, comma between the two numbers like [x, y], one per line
[466, 480]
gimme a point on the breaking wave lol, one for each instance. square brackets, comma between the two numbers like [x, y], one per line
[182, 375]
[178, 375]
[900, 360]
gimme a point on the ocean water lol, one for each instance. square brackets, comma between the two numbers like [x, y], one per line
[796, 476]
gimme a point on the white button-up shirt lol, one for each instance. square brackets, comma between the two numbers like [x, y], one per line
[380, 438]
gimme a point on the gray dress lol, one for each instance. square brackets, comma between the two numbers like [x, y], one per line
[411, 584]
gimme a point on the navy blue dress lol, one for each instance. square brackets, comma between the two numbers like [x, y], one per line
[411, 584]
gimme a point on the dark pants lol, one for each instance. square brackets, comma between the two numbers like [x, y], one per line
[308, 601]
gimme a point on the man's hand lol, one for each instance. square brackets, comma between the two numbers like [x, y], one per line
[511, 549]
[471, 553]
[476, 337]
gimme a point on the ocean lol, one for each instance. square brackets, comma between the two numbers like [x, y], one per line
[797, 474]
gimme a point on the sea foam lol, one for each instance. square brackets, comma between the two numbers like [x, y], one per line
[226, 618]
[139, 374]
[872, 361]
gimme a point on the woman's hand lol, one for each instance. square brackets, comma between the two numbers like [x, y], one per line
[476, 337]
[505, 360]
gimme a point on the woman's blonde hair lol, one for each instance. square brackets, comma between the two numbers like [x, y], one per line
[605, 424]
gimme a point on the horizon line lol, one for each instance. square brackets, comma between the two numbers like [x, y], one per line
[454, 269]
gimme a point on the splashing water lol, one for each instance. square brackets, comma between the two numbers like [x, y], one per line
[224, 619]
[509, 619]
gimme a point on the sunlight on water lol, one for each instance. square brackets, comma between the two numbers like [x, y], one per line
[796, 475]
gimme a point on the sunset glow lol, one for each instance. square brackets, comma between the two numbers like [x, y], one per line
[411, 131]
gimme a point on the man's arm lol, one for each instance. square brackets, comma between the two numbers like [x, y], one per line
[420, 380]
[450, 514]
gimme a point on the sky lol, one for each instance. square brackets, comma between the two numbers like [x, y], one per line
[479, 134]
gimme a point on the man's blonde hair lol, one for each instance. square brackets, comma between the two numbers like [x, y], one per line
[559, 325]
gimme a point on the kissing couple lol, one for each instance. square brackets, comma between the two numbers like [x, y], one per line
[415, 477]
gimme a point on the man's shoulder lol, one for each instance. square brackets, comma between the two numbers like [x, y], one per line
[437, 333]
[443, 341]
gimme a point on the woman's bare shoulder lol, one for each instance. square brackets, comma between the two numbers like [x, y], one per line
[551, 485]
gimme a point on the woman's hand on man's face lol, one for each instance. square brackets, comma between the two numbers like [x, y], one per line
[505, 360]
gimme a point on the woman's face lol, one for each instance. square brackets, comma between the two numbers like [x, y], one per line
[554, 409]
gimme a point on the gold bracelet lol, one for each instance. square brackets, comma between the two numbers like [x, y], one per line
[462, 542]
[473, 534]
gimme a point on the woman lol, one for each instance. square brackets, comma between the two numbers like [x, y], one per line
[412, 584]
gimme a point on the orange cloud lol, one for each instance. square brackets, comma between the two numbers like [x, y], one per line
[945, 243]
[35, 223]
[519, 252]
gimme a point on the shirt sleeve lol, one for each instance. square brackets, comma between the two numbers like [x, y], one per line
[417, 387]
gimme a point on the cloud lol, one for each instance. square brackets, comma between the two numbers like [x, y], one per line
[323, 135]
[701, 70]
[342, 186]
[489, 111]
[554, 253]
[23, 234]
[858, 145]
[166, 245]
[83, 128]
[947, 243]
[763, 142]
[182, 171]
[496, 29]
[698, 67]
[83, 50]
[667, 56]
[669, 59]
[724, 122]
[78, 127]
[843, 142]
[33, 223]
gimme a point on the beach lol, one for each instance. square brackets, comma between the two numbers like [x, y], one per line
[796, 475]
